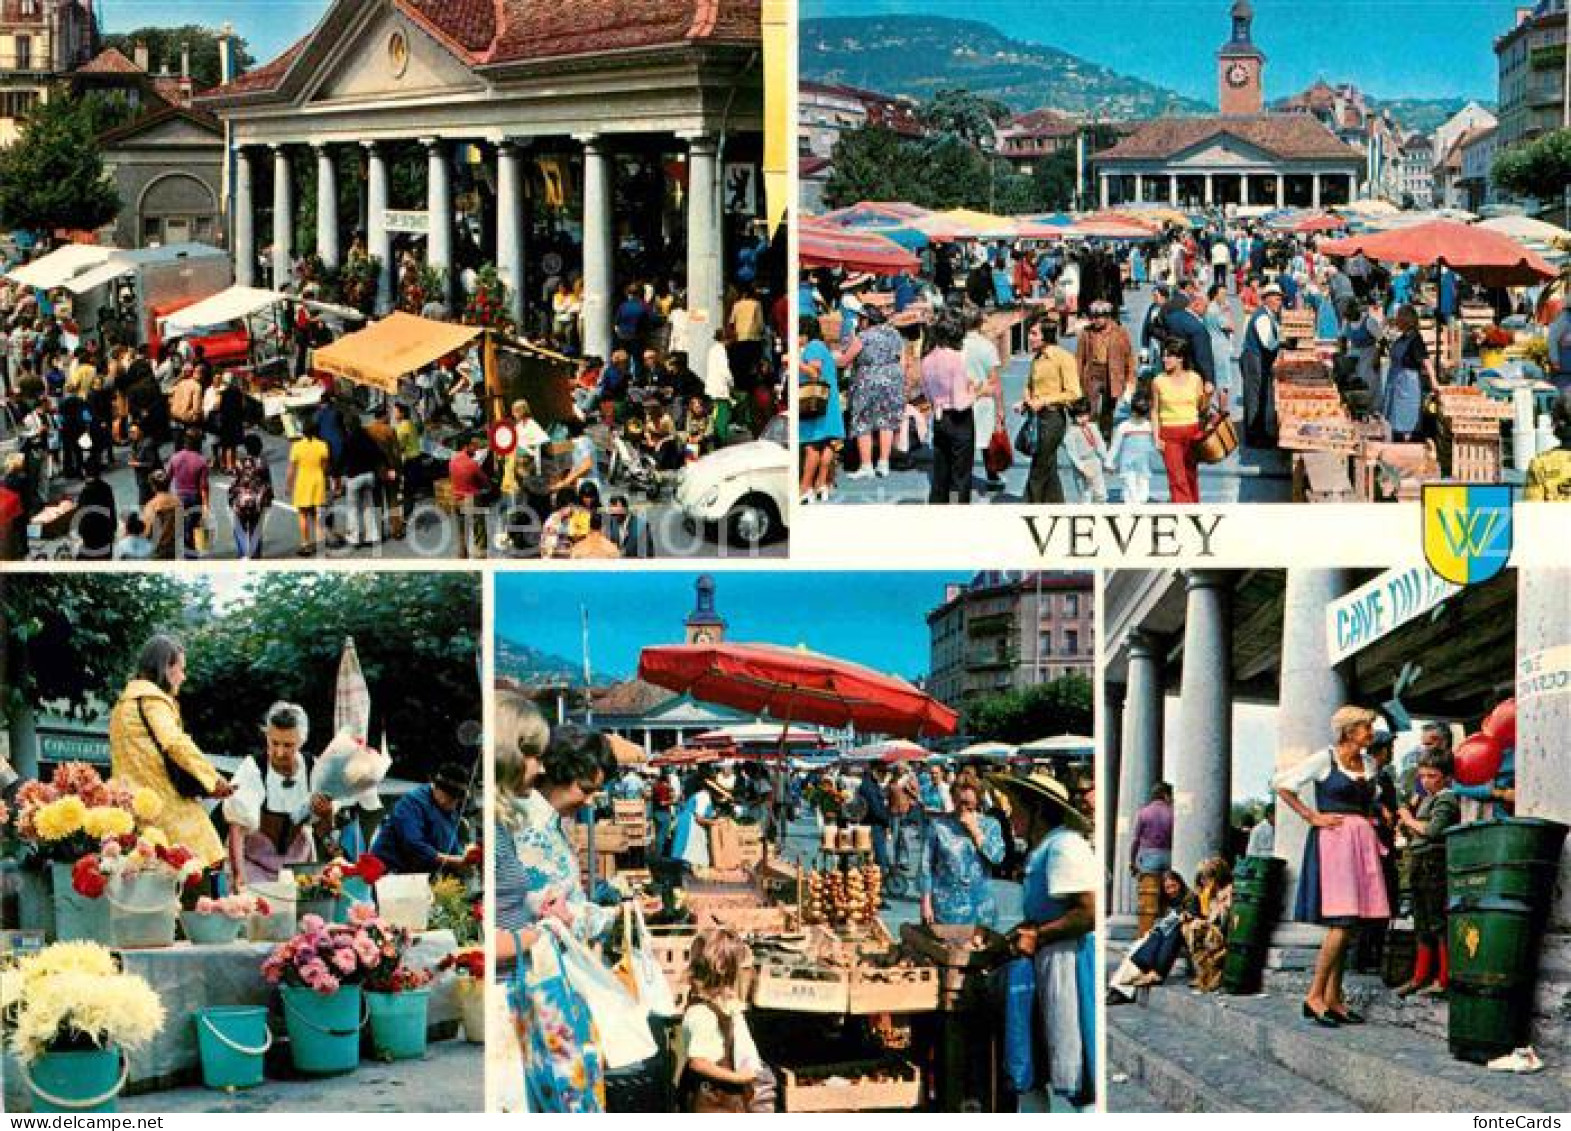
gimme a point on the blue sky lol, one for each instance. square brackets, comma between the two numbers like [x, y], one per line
[874, 619]
[269, 26]
[1390, 48]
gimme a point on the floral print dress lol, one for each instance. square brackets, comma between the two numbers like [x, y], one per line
[955, 872]
[878, 401]
[550, 868]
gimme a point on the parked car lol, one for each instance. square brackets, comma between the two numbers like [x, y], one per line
[744, 489]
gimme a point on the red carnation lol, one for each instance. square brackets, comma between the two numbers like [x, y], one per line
[369, 868]
[87, 879]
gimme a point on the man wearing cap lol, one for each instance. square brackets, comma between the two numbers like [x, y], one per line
[1107, 363]
[1262, 339]
[421, 834]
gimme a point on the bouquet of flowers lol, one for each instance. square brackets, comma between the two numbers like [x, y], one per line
[469, 963]
[827, 798]
[149, 853]
[453, 910]
[400, 980]
[72, 996]
[329, 882]
[240, 906]
[323, 957]
[70, 815]
[488, 304]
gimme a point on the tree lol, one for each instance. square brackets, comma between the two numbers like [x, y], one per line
[53, 177]
[965, 115]
[950, 173]
[163, 49]
[870, 163]
[1060, 707]
[1540, 169]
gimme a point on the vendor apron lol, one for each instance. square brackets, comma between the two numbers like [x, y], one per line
[280, 843]
[1066, 1003]
[1342, 878]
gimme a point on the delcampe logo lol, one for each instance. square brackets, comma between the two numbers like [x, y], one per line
[1468, 531]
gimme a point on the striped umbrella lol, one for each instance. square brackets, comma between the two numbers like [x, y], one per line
[351, 696]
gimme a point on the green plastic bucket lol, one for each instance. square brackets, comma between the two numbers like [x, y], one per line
[398, 1024]
[211, 929]
[324, 1029]
[70, 1083]
[77, 918]
[356, 891]
[232, 1040]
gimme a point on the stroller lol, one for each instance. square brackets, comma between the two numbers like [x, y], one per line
[631, 464]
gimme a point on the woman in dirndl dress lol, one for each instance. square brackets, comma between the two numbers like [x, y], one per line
[1341, 884]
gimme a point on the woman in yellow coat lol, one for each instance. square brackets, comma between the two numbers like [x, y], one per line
[146, 736]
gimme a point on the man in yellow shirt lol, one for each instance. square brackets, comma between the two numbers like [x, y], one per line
[1053, 386]
[1549, 475]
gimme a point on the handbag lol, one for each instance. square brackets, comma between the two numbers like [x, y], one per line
[1026, 436]
[998, 457]
[700, 1094]
[621, 1022]
[1218, 440]
[185, 782]
[563, 1071]
[812, 399]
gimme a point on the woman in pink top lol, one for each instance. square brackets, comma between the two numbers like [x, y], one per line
[950, 391]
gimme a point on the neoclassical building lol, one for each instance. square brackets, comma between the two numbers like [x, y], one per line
[611, 128]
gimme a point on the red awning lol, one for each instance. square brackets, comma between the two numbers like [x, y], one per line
[823, 245]
[1477, 254]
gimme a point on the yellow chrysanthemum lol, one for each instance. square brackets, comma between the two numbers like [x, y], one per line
[447, 887]
[107, 821]
[60, 819]
[119, 1009]
[87, 958]
[147, 805]
[155, 837]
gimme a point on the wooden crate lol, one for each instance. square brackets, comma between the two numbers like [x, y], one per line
[1412, 464]
[898, 989]
[748, 920]
[900, 1094]
[801, 989]
[1476, 459]
[1298, 324]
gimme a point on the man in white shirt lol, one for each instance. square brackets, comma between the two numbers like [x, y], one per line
[1221, 261]
[983, 367]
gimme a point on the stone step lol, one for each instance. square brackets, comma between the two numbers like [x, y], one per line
[1378, 1067]
[1126, 1095]
[1163, 1059]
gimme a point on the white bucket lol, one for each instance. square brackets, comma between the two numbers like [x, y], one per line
[278, 925]
[142, 910]
[405, 900]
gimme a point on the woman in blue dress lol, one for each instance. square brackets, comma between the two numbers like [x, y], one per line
[959, 852]
[1408, 378]
[1059, 905]
[818, 435]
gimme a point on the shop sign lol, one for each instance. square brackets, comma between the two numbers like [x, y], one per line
[396, 221]
[1544, 673]
[1377, 609]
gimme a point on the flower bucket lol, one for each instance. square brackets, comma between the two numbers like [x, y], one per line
[356, 891]
[75, 1082]
[471, 1008]
[77, 918]
[324, 909]
[232, 1040]
[398, 1023]
[210, 929]
[142, 910]
[405, 900]
[324, 1029]
[279, 924]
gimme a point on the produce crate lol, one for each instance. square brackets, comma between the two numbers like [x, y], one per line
[797, 988]
[1298, 323]
[1476, 459]
[899, 1090]
[947, 944]
[895, 989]
[747, 920]
[1411, 465]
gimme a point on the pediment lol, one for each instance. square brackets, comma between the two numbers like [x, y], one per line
[1221, 150]
[388, 57]
[685, 710]
[175, 132]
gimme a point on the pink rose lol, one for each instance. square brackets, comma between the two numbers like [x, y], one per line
[345, 960]
[312, 924]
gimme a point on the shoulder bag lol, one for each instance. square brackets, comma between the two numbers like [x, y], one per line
[185, 782]
[1026, 436]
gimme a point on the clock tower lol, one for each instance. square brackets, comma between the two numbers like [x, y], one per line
[1241, 67]
[703, 624]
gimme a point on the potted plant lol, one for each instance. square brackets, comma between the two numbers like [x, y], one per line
[215, 922]
[73, 1015]
[399, 1005]
[469, 966]
[320, 973]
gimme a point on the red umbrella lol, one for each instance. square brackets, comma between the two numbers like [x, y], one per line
[822, 245]
[797, 686]
[686, 756]
[1323, 222]
[1479, 255]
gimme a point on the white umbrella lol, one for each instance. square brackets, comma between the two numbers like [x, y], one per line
[986, 751]
[1060, 744]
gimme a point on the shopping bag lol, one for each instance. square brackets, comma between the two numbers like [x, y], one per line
[640, 971]
[998, 458]
[621, 1021]
[563, 1070]
[1025, 436]
[1019, 978]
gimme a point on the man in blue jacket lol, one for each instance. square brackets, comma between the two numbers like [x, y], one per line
[422, 833]
[1180, 322]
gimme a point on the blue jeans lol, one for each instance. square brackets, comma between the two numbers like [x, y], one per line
[248, 543]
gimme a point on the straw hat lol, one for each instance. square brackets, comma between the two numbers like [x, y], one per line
[1041, 788]
[1271, 289]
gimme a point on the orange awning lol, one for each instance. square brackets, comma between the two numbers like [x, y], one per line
[393, 348]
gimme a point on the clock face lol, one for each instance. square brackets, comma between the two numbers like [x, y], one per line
[1238, 74]
[703, 636]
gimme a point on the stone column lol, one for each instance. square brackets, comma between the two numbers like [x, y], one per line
[1105, 187]
[1243, 189]
[1140, 188]
[510, 226]
[1140, 762]
[1315, 190]
[1210, 189]
[1172, 189]
[327, 208]
[1203, 776]
[598, 265]
[283, 219]
[245, 221]
[439, 214]
[379, 241]
[1543, 711]
[1352, 187]
[1281, 191]
[705, 277]
[1312, 690]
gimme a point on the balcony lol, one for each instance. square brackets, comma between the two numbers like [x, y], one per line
[1545, 94]
[983, 659]
[990, 624]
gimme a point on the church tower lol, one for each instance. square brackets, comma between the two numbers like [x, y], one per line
[704, 625]
[1241, 67]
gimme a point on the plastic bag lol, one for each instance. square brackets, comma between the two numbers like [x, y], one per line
[1019, 978]
[349, 770]
[639, 969]
[621, 1022]
[563, 1071]
[998, 458]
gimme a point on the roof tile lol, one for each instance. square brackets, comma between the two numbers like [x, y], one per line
[1288, 136]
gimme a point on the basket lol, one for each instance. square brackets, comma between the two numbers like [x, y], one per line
[802, 989]
[898, 989]
[746, 920]
[904, 1092]
[1218, 442]
[812, 399]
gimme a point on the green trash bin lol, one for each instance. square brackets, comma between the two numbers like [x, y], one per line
[1499, 876]
[1257, 898]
